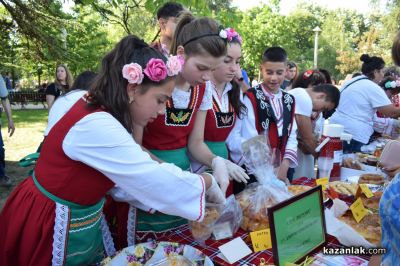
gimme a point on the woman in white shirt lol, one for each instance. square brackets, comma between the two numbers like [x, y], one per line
[361, 97]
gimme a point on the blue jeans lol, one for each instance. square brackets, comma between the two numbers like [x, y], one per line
[353, 146]
[2, 157]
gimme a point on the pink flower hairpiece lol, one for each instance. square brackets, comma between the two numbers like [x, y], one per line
[231, 35]
[156, 70]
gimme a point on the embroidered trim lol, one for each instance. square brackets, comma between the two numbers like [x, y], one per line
[87, 227]
[60, 234]
[131, 226]
[182, 118]
[288, 101]
[83, 218]
[201, 199]
[108, 241]
[92, 220]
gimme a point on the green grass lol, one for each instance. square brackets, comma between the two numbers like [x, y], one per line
[29, 128]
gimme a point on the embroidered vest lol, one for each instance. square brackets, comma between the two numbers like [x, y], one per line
[171, 130]
[219, 124]
[266, 120]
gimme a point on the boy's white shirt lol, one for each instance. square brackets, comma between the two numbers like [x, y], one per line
[248, 129]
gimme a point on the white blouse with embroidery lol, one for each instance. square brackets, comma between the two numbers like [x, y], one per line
[98, 140]
[181, 99]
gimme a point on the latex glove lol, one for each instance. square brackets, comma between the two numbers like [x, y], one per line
[214, 194]
[220, 173]
[396, 125]
[236, 172]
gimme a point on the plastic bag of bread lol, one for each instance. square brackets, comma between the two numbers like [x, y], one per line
[220, 220]
[255, 200]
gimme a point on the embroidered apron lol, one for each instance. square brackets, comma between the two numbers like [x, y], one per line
[79, 229]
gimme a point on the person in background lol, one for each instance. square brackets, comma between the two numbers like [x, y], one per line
[62, 83]
[4, 179]
[310, 123]
[63, 103]
[167, 17]
[290, 76]
[7, 80]
[361, 97]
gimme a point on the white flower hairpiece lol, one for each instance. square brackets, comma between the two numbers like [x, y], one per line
[223, 34]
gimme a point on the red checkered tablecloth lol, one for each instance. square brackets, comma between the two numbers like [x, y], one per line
[184, 236]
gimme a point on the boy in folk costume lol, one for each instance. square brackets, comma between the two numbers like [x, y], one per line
[167, 17]
[271, 110]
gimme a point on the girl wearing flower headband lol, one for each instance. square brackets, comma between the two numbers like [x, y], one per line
[226, 107]
[201, 45]
[55, 215]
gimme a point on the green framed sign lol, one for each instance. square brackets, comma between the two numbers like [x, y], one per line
[297, 227]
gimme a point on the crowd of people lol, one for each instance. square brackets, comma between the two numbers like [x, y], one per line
[128, 150]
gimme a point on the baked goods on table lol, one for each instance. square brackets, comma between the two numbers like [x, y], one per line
[348, 189]
[255, 209]
[203, 230]
[352, 164]
[373, 202]
[298, 189]
[376, 179]
[369, 227]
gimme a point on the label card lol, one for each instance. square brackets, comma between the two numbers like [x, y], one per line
[261, 240]
[358, 210]
[234, 250]
[367, 192]
[323, 182]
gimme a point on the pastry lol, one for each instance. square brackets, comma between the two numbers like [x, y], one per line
[369, 227]
[204, 229]
[353, 164]
[376, 179]
[344, 188]
[372, 203]
[255, 209]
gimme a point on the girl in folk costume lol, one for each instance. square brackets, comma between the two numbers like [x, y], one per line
[271, 110]
[55, 215]
[226, 105]
[171, 137]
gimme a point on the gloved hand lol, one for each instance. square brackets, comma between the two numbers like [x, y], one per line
[220, 173]
[396, 126]
[214, 193]
[236, 172]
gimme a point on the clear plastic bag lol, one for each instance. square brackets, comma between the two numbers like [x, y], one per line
[262, 162]
[221, 221]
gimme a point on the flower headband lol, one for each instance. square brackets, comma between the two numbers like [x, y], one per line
[221, 34]
[392, 84]
[230, 34]
[156, 70]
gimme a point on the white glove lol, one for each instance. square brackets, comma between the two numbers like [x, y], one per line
[396, 126]
[220, 173]
[214, 194]
[236, 172]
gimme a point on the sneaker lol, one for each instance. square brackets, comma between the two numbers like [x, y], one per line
[5, 181]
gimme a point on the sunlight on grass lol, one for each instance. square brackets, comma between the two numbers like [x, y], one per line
[29, 128]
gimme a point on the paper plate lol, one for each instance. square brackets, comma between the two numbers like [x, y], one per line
[163, 253]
